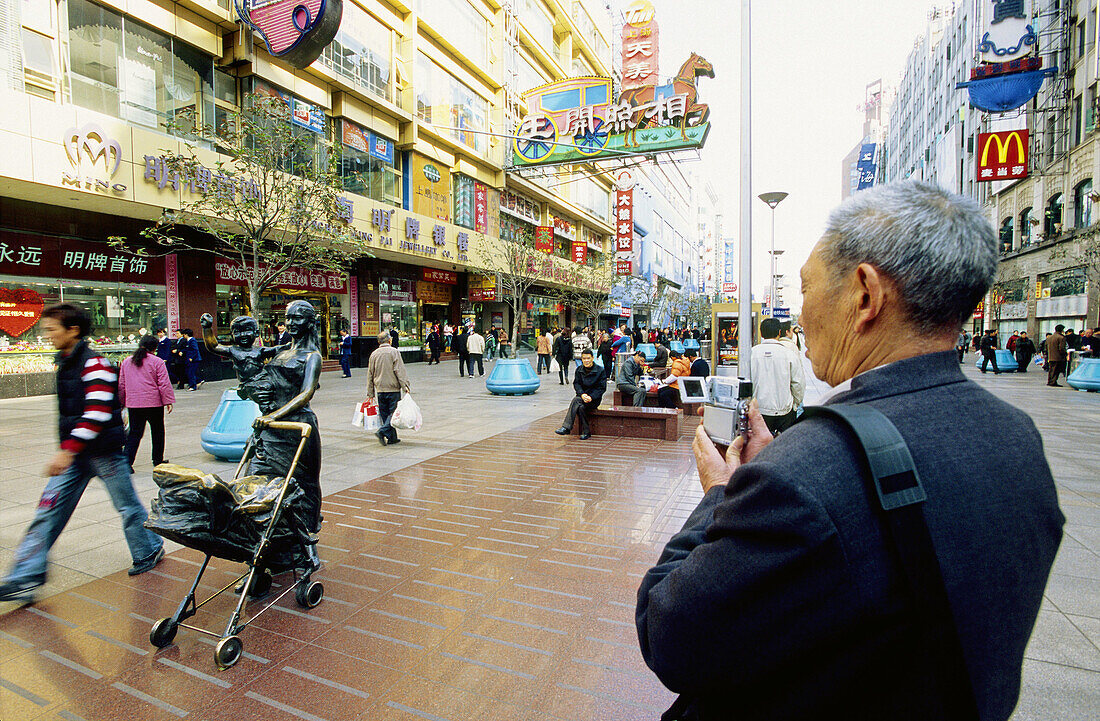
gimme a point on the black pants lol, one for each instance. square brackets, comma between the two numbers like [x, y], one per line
[962, 350]
[989, 358]
[563, 374]
[475, 358]
[1022, 362]
[138, 418]
[463, 361]
[579, 410]
[387, 404]
[435, 356]
[544, 360]
[192, 368]
[778, 424]
[345, 365]
[1057, 368]
[667, 396]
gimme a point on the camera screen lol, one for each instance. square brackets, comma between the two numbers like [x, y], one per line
[693, 388]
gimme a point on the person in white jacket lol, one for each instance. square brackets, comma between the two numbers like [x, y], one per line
[778, 380]
[475, 347]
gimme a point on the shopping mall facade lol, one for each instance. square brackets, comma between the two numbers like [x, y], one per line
[415, 104]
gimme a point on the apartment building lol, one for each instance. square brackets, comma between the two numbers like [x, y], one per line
[419, 97]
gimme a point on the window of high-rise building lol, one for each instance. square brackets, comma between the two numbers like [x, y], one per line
[368, 164]
[460, 24]
[538, 21]
[450, 105]
[361, 51]
[1082, 204]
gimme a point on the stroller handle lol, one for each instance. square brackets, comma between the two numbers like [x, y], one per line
[304, 428]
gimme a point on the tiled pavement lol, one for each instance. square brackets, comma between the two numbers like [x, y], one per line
[494, 579]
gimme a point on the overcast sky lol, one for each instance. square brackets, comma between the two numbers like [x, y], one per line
[811, 62]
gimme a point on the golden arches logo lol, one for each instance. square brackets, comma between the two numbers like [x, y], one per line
[1003, 146]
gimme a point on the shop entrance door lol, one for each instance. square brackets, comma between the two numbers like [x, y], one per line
[273, 306]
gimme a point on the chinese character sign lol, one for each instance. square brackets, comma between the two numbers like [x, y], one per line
[866, 166]
[481, 208]
[639, 53]
[580, 252]
[624, 221]
[544, 238]
[1002, 156]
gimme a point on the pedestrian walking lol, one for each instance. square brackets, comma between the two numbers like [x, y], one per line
[563, 353]
[179, 350]
[606, 351]
[961, 344]
[458, 346]
[589, 383]
[543, 346]
[989, 351]
[1025, 349]
[435, 345]
[491, 344]
[145, 391]
[91, 436]
[345, 352]
[448, 337]
[192, 360]
[580, 343]
[1056, 356]
[778, 380]
[475, 349]
[504, 344]
[386, 378]
[164, 352]
[395, 338]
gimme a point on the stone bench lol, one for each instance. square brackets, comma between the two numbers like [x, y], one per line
[621, 399]
[656, 423]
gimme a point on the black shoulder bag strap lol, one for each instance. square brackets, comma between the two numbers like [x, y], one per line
[900, 495]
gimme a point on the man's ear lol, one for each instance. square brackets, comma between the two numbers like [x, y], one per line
[873, 291]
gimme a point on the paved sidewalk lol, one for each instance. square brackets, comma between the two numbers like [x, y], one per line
[490, 573]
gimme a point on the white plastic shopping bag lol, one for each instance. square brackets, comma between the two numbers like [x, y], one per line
[407, 414]
[554, 365]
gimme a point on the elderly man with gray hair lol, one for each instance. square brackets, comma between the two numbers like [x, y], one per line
[791, 591]
[386, 378]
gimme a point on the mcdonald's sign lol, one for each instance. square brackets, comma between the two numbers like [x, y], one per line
[1002, 156]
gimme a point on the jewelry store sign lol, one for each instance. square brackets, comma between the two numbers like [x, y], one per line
[95, 158]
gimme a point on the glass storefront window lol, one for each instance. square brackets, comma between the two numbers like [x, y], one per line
[332, 312]
[401, 315]
[363, 171]
[464, 26]
[516, 230]
[123, 69]
[1071, 281]
[447, 103]
[361, 51]
[120, 313]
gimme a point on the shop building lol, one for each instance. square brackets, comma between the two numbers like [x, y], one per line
[409, 95]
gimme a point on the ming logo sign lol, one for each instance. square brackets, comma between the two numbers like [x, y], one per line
[1002, 156]
[95, 158]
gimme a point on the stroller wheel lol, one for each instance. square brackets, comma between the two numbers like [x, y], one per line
[228, 652]
[163, 632]
[309, 595]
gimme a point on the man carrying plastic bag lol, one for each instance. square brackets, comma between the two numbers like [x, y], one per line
[386, 378]
[407, 414]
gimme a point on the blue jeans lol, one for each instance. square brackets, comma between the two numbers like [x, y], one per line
[387, 404]
[345, 364]
[58, 501]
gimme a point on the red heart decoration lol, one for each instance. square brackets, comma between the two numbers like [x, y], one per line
[19, 310]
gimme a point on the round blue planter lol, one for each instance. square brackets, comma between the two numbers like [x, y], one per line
[512, 377]
[650, 351]
[691, 343]
[1006, 362]
[227, 432]
[1086, 377]
[676, 346]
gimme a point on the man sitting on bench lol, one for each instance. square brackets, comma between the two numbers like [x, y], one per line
[629, 372]
[589, 382]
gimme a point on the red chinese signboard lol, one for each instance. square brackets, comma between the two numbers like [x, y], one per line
[46, 257]
[1002, 156]
[544, 238]
[481, 208]
[729, 287]
[639, 47]
[580, 252]
[438, 276]
[624, 221]
[231, 273]
[622, 267]
[482, 295]
[20, 308]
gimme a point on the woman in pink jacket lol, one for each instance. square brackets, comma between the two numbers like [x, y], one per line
[145, 391]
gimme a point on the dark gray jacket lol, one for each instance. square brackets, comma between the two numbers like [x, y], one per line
[780, 598]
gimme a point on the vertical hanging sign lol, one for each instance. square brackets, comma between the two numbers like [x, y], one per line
[624, 221]
[353, 302]
[639, 46]
[481, 208]
[544, 238]
[172, 291]
[580, 252]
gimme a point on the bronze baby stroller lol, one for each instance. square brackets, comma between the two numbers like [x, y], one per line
[251, 519]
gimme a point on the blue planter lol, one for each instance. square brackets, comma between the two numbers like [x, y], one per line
[1006, 362]
[650, 351]
[512, 377]
[676, 346]
[227, 432]
[1086, 377]
[691, 343]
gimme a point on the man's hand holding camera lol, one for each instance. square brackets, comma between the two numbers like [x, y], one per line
[716, 464]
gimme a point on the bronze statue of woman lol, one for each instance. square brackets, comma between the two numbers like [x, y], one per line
[293, 377]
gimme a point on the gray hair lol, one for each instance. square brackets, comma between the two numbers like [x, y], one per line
[384, 338]
[936, 246]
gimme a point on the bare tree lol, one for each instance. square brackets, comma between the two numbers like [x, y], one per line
[517, 266]
[649, 295]
[270, 201]
[590, 294]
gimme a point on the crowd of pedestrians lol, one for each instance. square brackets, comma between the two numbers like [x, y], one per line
[1053, 352]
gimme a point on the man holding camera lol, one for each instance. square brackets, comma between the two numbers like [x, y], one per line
[783, 597]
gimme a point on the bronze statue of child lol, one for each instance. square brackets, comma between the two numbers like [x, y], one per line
[248, 360]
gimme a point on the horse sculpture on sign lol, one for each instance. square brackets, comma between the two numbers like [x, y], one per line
[646, 103]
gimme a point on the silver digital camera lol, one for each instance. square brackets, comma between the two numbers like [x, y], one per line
[726, 413]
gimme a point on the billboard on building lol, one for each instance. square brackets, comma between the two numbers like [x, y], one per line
[866, 166]
[1002, 156]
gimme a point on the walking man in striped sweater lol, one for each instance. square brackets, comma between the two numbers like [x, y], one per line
[92, 437]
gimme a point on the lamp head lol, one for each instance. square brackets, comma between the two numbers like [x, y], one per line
[772, 199]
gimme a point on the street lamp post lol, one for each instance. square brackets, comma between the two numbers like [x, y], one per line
[772, 199]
